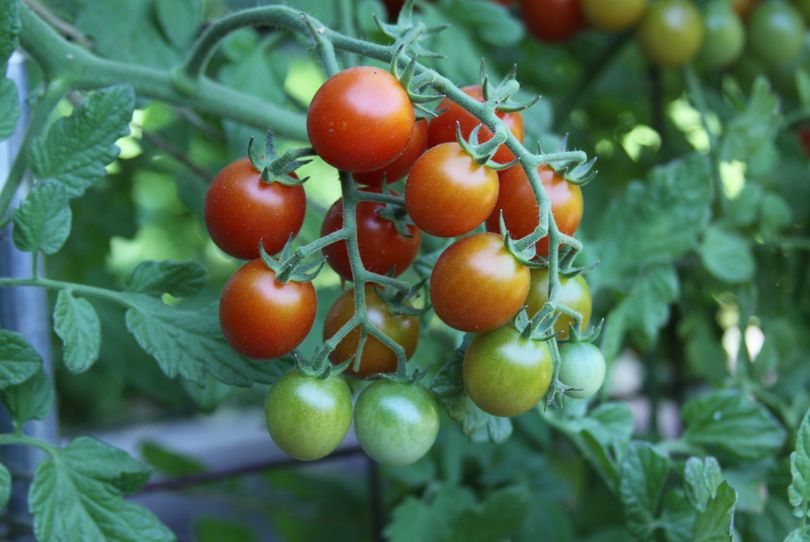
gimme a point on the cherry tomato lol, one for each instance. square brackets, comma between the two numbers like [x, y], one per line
[743, 7]
[505, 374]
[448, 193]
[552, 20]
[262, 318]
[724, 36]
[613, 15]
[520, 210]
[442, 129]
[477, 285]
[582, 367]
[574, 294]
[382, 248]
[776, 31]
[308, 417]
[396, 423]
[360, 119]
[671, 32]
[377, 358]
[241, 210]
[402, 165]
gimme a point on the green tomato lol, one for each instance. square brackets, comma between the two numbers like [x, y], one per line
[574, 294]
[582, 367]
[396, 423]
[505, 374]
[724, 36]
[307, 417]
[776, 33]
[671, 32]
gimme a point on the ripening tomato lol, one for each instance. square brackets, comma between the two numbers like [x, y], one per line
[402, 165]
[241, 210]
[442, 129]
[261, 317]
[743, 7]
[613, 15]
[361, 119]
[552, 20]
[477, 284]
[671, 32]
[574, 294]
[582, 367]
[776, 31]
[520, 211]
[382, 247]
[724, 36]
[448, 193]
[377, 358]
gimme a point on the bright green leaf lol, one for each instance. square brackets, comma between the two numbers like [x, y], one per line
[701, 479]
[727, 255]
[799, 489]
[715, 523]
[76, 323]
[178, 278]
[5, 486]
[179, 19]
[42, 221]
[18, 359]
[31, 400]
[646, 309]
[644, 473]
[9, 108]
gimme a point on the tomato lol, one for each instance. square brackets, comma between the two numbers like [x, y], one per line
[743, 7]
[377, 358]
[402, 165]
[520, 210]
[505, 374]
[574, 294]
[241, 210]
[360, 119]
[724, 36]
[671, 32]
[582, 367]
[308, 417]
[382, 248]
[448, 193]
[442, 129]
[396, 423]
[614, 15]
[776, 31]
[552, 20]
[803, 133]
[261, 317]
[477, 285]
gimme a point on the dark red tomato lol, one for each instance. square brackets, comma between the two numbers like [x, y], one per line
[520, 210]
[377, 358]
[448, 193]
[443, 127]
[361, 119]
[552, 20]
[262, 318]
[402, 165]
[477, 285]
[804, 137]
[241, 210]
[382, 248]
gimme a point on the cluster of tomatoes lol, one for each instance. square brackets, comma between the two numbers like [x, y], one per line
[361, 121]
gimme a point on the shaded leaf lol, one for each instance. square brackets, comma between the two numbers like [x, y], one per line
[178, 278]
[9, 108]
[727, 255]
[76, 323]
[42, 221]
[31, 400]
[18, 359]
[644, 473]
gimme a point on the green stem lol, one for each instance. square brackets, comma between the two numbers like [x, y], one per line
[18, 439]
[50, 284]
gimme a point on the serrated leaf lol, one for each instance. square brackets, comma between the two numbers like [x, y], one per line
[5, 486]
[42, 221]
[9, 30]
[31, 400]
[179, 19]
[716, 522]
[756, 122]
[799, 489]
[76, 323]
[18, 359]
[178, 278]
[429, 519]
[727, 255]
[609, 423]
[644, 473]
[701, 479]
[646, 309]
[9, 108]
[77, 148]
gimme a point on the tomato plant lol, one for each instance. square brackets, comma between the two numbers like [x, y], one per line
[724, 37]
[574, 294]
[776, 32]
[671, 32]
[582, 368]
[613, 16]
[402, 165]
[552, 20]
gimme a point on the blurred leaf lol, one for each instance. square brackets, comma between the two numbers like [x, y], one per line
[168, 462]
[803, 86]
[701, 479]
[798, 535]
[715, 523]
[491, 21]
[497, 518]
[31, 400]
[744, 209]
[209, 529]
[644, 473]
[42, 221]
[799, 489]
[646, 309]
[18, 359]
[609, 423]
[77, 324]
[179, 19]
[677, 517]
[209, 395]
[727, 255]
[9, 108]
[774, 215]
[756, 122]
[178, 278]
[9, 29]
[5, 486]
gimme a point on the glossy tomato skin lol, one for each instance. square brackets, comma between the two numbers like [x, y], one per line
[574, 293]
[582, 367]
[361, 119]
[520, 210]
[724, 36]
[308, 417]
[442, 129]
[241, 210]
[552, 20]
[477, 285]
[614, 15]
[262, 318]
[396, 423]
[505, 374]
[377, 358]
[448, 193]
[776, 31]
[382, 248]
[402, 165]
[671, 32]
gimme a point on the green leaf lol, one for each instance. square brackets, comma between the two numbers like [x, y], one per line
[77, 494]
[799, 489]
[76, 323]
[743, 210]
[209, 529]
[609, 423]
[498, 517]
[489, 20]
[179, 19]
[644, 473]
[77, 148]
[774, 215]
[715, 523]
[731, 424]
[5, 486]
[798, 535]
[755, 123]
[168, 462]
[209, 396]
[31, 400]
[42, 221]
[178, 278]
[702, 478]
[18, 359]
[429, 519]
[9, 108]
[677, 517]
[646, 309]
[803, 86]
[9, 30]
[727, 255]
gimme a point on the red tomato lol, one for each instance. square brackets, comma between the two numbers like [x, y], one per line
[360, 119]
[241, 210]
[803, 134]
[443, 127]
[402, 165]
[448, 193]
[552, 20]
[262, 318]
[520, 210]
[382, 248]
[477, 285]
